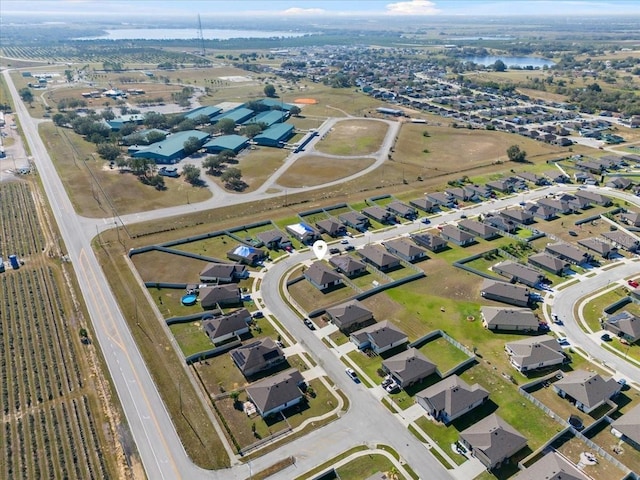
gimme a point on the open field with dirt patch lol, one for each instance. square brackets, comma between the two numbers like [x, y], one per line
[315, 170]
[156, 266]
[353, 137]
[259, 163]
[573, 447]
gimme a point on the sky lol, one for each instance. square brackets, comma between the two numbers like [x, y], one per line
[326, 8]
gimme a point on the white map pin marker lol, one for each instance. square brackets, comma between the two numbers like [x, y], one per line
[320, 249]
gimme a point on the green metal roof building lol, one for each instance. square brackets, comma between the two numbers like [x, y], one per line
[170, 150]
[143, 135]
[209, 111]
[274, 103]
[238, 115]
[269, 118]
[234, 143]
[275, 136]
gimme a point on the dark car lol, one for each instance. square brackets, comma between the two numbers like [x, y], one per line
[348, 248]
[334, 250]
[309, 324]
[257, 314]
[605, 337]
[572, 233]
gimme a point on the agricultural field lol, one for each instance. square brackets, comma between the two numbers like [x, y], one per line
[20, 232]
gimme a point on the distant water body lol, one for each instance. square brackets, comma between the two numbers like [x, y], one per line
[187, 34]
[521, 62]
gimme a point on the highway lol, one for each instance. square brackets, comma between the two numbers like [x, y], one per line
[367, 421]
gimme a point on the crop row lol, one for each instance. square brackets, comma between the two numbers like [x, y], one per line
[20, 231]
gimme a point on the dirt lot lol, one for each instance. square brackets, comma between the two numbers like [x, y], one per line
[157, 266]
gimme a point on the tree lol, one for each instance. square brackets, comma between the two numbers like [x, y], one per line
[230, 174]
[191, 174]
[59, 119]
[269, 90]
[26, 95]
[295, 110]
[226, 126]
[516, 155]
[108, 151]
[154, 136]
[251, 130]
[212, 163]
[499, 66]
[191, 145]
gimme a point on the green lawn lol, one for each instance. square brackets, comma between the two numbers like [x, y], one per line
[191, 337]
[365, 466]
[443, 354]
[593, 310]
[443, 435]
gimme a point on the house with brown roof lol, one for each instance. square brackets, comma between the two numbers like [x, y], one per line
[552, 466]
[631, 218]
[492, 441]
[405, 249]
[548, 262]
[453, 234]
[535, 352]
[379, 337]
[505, 292]
[257, 356]
[349, 316]
[348, 266]
[223, 272]
[219, 295]
[379, 214]
[409, 367]
[321, 276]
[276, 393]
[430, 241]
[627, 427]
[451, 398]
[355, 220]
[624, 325]
[423, 204]
[587, 390]
[599, 246]
[517, 272]
[378, 257]
[623, 240]
[501, 185]
[273, 239]
[517, 215]
[514, 319]
[225, 327]
[331, 227]
[479, 229]
[569, 253]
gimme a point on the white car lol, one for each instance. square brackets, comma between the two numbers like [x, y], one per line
[563, 341]
[352, 374]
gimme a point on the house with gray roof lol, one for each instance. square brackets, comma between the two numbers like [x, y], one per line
[223, 272]
[225, 327]
[219, 295]
[569, 253]
[273, 239]
[557, 176]
[453, 234]
[355, 220]
[303, 232]
[462, 194]
[599, 246]
[430, 241]
[331, 227]
[405, 249]
[246, 254]
[624, 325]
[515, 319]
[349, 316]
[492, 441]
[321, 276]
[276, 393]
[347, 265]
[627, 427]
[378, 257]
[517, 272]
[409, 367]
[501, 185]
[451, 398]
[257, 356]
[533, 178]
[548, 262]
[621, 183]
[541, 211]
[587, 390]
[552, 466]
[379, 337]
[501, 223]
[535, 352]
[623, 240]
[379, 214]
[594, 197]
[441, 199]
[577, 203]
[479, 229]
[559, 206]
[631, 218]
[423, 204]
[505, 292]
[402, 210]
[480, 191]
[517, 215]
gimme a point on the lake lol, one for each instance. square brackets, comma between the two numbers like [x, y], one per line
[187, 34]
[535, 62]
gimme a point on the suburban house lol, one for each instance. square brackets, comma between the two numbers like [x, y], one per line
[595, 198]
[274, 394]
[347, 265]
[257, 356]
[405, 249]
[461, 194]
[453, 234]
[517, 319]
[225, 327]
[219, 295]
[517, 215]
[331, 227]
[349, 316]
[540, 211]
[624, 325]
[379, 337]
[492, 441]
[585, 178]
[378, 214]
[480, 191]
[627, 427]
[402, 210]
[517, 272]
[409, 367]
[548, 262]
[631, 218]
[533, 178]
[535, 352]
[321, 276]
[451, 398]
[430, 242]
[621, 183]
[552, 466]
[623, 240]
[559, 206]
[423, 204]
[556, 176]
[587, 390]
[591, 166]
[501, 223]
[274, 239]
[599, 246]
[246, 254]
[303, 232]
[569, 253]
[378, 257]
[501, 185]
[223, 272]
[577, 203]
[505, 292]
[441, 199]
[479, 229]
[354, 220]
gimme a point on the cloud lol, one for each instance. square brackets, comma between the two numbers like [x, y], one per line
[304, 11]
[413, 7]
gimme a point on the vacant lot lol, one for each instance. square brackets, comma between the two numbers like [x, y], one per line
[354, 137]
[259, 163]
[156, 266]
[603, 470]
[316, 170]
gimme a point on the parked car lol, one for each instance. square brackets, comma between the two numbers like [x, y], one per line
[334, 250]
[344, 241]
[392, 387]
[563, 341]
[633, 283]
[352, 374]
[309, 324]
[425, 220]
[257, 314]
[572, 233]
[349, 248]
[605, 337]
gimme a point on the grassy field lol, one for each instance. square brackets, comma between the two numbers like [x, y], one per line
[443, 354]
[353, 137]
[365, 466]
[593, 310]
[443, 435]
[315, 170]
